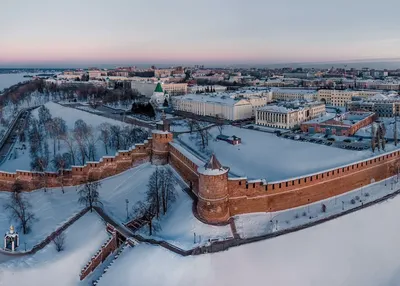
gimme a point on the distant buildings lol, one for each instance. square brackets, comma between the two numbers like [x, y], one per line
[346, 124]
[383, 105]
[289, 114]
[336, 97]
[293, 94]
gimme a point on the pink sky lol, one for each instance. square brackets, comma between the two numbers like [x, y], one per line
[44, 31]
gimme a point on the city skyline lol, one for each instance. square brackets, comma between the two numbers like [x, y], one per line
[207, 32]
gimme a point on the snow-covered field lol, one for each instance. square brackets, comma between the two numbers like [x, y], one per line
[49, 267]
[53, 208]
[179, 226]
[7, 80]
[266, 156]
[357, 249]
[70, 115]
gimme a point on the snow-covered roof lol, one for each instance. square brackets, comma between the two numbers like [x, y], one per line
[276, 108]
[217, 98]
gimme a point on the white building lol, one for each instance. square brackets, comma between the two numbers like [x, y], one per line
[214, 105]
[288, 115]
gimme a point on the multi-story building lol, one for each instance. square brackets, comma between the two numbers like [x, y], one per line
[175, 88]
[288, 115]
[336, 97]
[382, 105]
[214, 105]
[162, 72]
[293, 94]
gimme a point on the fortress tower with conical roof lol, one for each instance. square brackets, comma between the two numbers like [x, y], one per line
[213, 198]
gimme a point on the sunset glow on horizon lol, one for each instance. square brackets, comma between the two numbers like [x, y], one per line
[252, 31]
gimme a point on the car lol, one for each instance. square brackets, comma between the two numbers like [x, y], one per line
[296, 137]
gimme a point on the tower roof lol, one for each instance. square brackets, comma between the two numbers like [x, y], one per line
[158, 88]
[213, 163]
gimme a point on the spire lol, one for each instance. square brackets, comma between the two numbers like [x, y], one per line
[158, 88]
[213, 163]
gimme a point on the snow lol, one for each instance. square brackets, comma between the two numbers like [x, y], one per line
[357, 249]
[179, 226]
[70, 115]
[49, 267]
[187, 154]
[267, 156]
[211, 172]
[257, 224]
[389, 125]
[53, 208]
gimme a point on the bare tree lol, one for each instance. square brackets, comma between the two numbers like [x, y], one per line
[60, 128]
[60, 163]
[20, 209]
[105, 134]
[220, 124]
[373, 137]
[167, 185]
[82, 132]
[70, 141]
[116, 136]
[395, 130]
[59, 241]
[89, 194]
[154, 193]
[144, 212]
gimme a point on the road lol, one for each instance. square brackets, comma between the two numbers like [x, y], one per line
[13, 136]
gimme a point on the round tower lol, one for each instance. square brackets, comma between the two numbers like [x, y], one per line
[212, 203]
[160, 143]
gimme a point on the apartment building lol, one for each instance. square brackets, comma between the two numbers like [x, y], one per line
[341, 97]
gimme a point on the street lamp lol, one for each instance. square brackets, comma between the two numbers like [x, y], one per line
[127, 204]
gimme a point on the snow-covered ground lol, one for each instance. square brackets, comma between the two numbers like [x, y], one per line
[357, 249]
[53, 208]
[182, 125]
[7, 80]
[179, 227]
[389, 125]
[49, 267]
[70, 115]
[256, 224]
[266, 156]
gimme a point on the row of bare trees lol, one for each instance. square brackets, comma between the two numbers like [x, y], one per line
[160, 195]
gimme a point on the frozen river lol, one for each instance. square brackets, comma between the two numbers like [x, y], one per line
[7, 80]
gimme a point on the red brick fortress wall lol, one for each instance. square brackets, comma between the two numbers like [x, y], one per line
[245, 196]
[105, 167]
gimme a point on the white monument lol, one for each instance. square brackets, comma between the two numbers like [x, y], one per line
[11, 239]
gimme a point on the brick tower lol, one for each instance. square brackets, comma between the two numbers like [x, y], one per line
[160, 142]
[213, 205]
